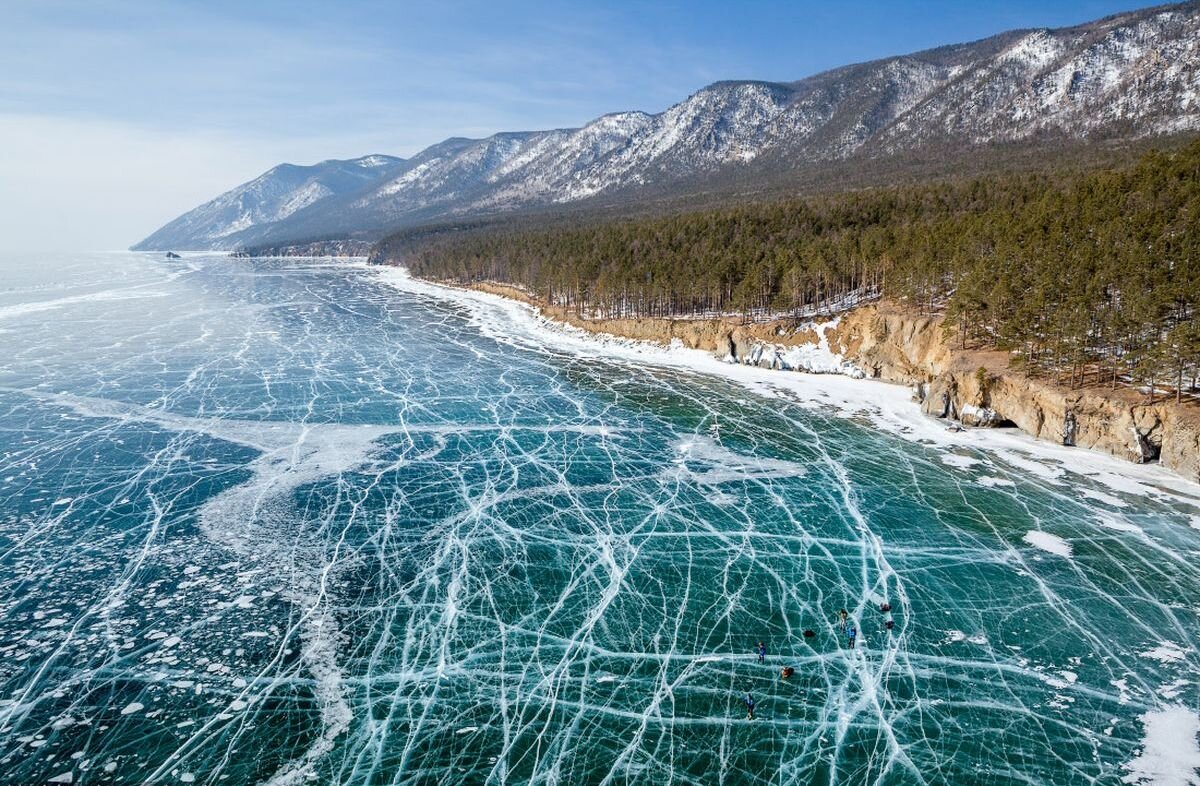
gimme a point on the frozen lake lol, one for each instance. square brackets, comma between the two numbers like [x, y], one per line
[297, 522]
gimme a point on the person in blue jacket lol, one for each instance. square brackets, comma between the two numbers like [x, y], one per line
[851, 634]
[762, 652]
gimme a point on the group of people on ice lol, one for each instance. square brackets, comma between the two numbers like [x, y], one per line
[848, 630]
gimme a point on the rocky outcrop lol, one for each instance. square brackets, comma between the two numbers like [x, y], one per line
[976, 388]
[980, 389]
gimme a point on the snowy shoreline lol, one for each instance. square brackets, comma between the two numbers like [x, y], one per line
[890, 407]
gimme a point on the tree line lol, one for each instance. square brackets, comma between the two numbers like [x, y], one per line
[1090, 277]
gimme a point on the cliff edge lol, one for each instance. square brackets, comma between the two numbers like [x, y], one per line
[979, 388]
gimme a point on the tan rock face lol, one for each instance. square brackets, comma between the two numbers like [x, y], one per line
[1181, 445]
[891, 345]
[979, 388]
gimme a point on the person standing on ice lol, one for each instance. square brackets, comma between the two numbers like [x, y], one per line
[843, 615]
[851, 634]
[749, 707]
[762, 652]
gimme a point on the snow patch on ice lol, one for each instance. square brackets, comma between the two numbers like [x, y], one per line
[1170, 754]
[1100, 496]
[1121, 525]
[1048, 542]
[962, 462]
[709, 463]
[1165, 653]
[1030, 464]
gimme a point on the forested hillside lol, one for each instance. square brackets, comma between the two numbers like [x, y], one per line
[1093, 277]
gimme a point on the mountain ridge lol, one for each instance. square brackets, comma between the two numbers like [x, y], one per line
[1133, 75]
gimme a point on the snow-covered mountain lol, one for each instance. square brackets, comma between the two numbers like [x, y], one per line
[268, 200]
[1128, 76]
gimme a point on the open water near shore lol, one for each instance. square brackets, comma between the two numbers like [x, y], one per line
[295, 521]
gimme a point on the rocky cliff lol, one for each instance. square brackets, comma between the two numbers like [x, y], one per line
[977, 388]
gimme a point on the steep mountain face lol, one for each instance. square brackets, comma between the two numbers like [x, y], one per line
[1129, 76]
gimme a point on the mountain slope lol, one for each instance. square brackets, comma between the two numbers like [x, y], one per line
[268, 200]
[1129, 76]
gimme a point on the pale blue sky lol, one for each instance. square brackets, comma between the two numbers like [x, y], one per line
[116, 115]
